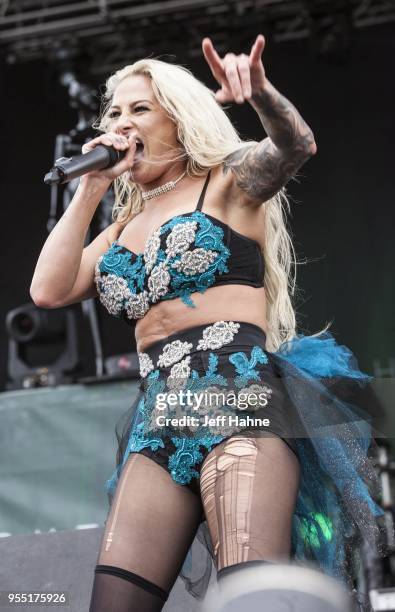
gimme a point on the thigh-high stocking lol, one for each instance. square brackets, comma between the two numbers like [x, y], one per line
[149, 529]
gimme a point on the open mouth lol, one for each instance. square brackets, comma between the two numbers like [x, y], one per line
[139, 148]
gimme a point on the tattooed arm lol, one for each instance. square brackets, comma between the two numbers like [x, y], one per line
[262, 169]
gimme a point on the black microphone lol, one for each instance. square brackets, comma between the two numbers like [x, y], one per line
[68, 168]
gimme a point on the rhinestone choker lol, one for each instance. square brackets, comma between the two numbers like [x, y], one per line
[147, 195]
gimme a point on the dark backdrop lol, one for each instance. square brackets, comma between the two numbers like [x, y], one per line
[342, 208]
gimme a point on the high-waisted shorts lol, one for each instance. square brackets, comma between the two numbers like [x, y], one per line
[208, 383]
[201, 386]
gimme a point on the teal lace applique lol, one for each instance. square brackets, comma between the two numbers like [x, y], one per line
[185, 297]
[152, 385]
[211, 375]
[160, 257]
[182, 463]
[245, 367]
[120, 263]
[138, 441]
[209, 378]
[142, 435]
[208, 237]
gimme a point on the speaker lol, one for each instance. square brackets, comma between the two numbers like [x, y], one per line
[63, 561]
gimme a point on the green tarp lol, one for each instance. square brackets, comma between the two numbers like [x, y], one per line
[57, 449]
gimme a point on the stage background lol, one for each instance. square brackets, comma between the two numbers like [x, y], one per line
[343, 213]
[343, 221]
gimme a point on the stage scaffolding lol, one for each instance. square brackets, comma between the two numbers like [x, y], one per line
[109, 31]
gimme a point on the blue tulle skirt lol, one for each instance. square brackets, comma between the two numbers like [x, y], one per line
[335, 507]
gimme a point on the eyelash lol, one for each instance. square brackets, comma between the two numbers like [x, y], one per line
[115, 114]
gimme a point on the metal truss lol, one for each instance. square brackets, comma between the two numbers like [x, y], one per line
[110, 32]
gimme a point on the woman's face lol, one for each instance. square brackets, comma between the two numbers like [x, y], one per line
[136, 112]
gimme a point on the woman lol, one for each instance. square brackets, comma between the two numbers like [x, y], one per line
[200, 257]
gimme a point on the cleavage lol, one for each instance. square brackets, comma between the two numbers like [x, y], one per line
[140, 251]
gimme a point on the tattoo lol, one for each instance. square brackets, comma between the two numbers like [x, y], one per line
[262, 169]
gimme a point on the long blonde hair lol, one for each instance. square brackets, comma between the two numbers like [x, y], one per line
[207, 137]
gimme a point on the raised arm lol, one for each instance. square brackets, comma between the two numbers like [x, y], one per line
[260, 170]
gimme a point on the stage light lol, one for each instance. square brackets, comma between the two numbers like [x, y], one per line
[42, 346]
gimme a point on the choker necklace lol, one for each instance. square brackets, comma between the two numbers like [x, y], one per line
[147, 195]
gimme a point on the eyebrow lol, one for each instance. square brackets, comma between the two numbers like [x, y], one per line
[132, 103]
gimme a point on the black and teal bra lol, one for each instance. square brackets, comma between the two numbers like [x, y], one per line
[190, 253]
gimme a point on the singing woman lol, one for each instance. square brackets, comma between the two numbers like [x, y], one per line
[237, 434]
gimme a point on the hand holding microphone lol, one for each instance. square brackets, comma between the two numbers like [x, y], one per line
[104, 158]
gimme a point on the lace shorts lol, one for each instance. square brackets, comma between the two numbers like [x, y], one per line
[198, 388]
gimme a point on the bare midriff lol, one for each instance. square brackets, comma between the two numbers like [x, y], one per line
[222, 303]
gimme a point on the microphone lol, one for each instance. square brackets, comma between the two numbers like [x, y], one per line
[68, 168]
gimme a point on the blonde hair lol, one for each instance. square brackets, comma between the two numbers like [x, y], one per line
[207, 137]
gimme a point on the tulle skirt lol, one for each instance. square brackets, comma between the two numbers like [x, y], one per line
[306, 392]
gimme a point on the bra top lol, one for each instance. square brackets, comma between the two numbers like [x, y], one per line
[191, 252]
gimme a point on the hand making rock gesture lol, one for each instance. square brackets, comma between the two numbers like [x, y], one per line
[240, 76]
